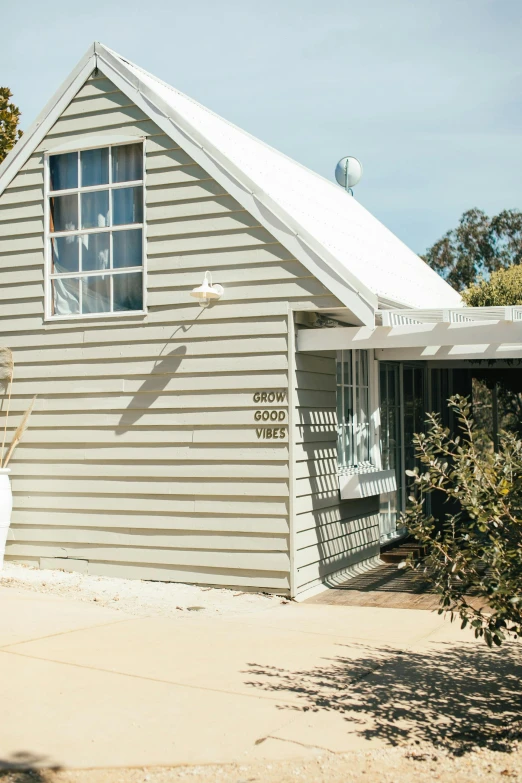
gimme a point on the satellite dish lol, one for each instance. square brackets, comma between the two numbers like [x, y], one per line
[348, 172]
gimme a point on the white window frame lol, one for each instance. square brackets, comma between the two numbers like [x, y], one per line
[367, 479]
[100, 143]
[357, 389]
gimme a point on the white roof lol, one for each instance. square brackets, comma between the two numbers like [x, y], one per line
[345, 246]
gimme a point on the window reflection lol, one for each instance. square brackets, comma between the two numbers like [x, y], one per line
[64, 213]
[128, 294]
[353, 409]
[94, 165]
[127, 206]
[127, 248]
[96, 294]
[95, 209]
[86, 253]
[95, 251]
[63, 170]
[127, 163]
[65, 254]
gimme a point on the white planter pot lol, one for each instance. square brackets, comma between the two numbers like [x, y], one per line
[6, 506]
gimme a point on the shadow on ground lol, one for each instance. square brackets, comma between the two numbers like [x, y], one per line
[25, 767]
[456, 697]
[389, 579]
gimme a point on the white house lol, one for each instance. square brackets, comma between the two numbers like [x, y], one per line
[258, 442]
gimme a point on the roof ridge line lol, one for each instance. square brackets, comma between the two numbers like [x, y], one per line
[220, 117]
[231, 164]
[349, 251]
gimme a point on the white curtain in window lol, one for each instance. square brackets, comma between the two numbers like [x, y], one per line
[353, 414]
[95, 251]
[127, 163]
[66, 296]
[96, 294]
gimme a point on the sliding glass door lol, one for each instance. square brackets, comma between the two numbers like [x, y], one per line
[403, 406]
[391, 441]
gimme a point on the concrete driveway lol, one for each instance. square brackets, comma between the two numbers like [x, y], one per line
[84, 686]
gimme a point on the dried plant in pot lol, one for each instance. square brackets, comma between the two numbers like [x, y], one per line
[6, 498]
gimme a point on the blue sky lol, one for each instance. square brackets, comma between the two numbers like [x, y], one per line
[426, 94]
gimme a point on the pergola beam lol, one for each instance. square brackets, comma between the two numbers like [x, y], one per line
[450, 353]
[427, 336]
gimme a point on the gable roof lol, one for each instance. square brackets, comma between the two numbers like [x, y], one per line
[333, 235]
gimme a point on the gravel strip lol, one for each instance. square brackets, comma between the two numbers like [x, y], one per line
[136, 597]
[393, 765]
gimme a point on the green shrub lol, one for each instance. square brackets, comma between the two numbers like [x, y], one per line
[477, 548]
[503, 288]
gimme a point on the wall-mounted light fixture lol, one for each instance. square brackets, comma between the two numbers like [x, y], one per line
[206, 292]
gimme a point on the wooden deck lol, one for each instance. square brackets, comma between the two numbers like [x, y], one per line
[383, 586]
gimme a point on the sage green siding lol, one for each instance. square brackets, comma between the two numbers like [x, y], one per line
[330, 534]
[142, 457]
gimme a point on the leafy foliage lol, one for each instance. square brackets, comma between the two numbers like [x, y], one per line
[477, 549]
[478, 246]
[9, 119]
[504, 383]
[503, 289]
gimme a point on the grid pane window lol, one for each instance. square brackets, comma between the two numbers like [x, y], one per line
[65, 254]
[63, 213]
[94, 206]
[127, 291]
[95, 231]
[95, 251]
[126, 248]
[94, 167]
[96, 294]
[63, 170]
[127, 163]
[127, 206]
[353, 409]
[66, 295]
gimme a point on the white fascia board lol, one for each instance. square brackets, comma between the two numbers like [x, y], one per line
[36, 133]
[428, 336]
[451, 353]
[326, 268]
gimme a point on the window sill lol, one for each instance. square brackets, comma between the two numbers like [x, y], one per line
[366, 483]
[137, 314]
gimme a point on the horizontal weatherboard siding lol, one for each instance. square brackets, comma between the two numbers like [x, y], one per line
[144, 457]
[331, 534]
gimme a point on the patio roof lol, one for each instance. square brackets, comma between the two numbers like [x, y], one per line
[464, 333]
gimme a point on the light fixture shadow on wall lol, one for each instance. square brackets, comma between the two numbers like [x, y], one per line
[206, 292]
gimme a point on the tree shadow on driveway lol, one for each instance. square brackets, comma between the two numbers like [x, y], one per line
[27, 767]
[455, 697]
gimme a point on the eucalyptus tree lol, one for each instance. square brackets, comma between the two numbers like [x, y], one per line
[9, 120]
[478, 246]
